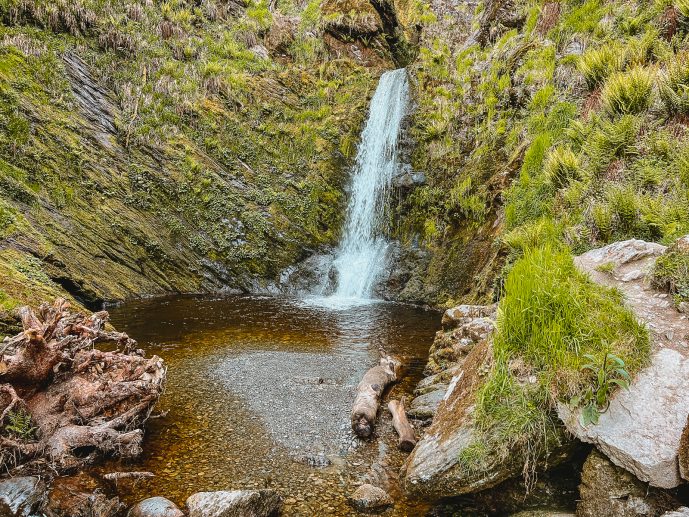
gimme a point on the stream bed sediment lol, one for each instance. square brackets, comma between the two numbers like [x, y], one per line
[259, 394]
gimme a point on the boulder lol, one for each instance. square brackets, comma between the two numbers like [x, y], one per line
[369, 498]
[235, 503]
[641, 430]
[425, 406]
[610, 490]
[434, 468]
[155, 507]
[21, 496]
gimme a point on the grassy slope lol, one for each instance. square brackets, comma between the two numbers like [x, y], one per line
[224, 166]
[565, 129]
[594, 144]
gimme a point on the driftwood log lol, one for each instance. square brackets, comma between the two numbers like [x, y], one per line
[369, 392]
[73, 401]
[407, 438]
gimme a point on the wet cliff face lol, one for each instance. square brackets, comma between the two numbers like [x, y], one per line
[184, 146]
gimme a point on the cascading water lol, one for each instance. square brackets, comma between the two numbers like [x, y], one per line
[361, 256]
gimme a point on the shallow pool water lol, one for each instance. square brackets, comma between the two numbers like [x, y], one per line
[259, 394]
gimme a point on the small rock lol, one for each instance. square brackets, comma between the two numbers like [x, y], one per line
[155, 507]
[259, 51]
[679, 512]
[426, 405]
[370, 498]
[21, 496]
[235, 503]
[464, 313]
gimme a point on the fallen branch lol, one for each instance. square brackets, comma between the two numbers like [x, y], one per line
[119, 476]
[407, 438]
[369, 392]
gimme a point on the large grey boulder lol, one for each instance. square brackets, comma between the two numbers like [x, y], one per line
[22, 496]
[642, 428]
[155, 507]
[235, 503]
[606, 489]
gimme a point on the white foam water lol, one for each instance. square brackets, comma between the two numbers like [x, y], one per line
[361, 257]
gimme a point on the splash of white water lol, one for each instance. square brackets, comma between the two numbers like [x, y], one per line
[361, 257]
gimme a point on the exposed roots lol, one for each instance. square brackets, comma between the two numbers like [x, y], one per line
[80, 403]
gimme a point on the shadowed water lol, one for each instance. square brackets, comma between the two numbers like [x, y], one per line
[259, 394]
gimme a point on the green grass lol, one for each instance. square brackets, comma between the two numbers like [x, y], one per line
[671, 273]
[628, 93]
[550, 317]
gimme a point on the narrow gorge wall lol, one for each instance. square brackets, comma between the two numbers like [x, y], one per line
[180, 147]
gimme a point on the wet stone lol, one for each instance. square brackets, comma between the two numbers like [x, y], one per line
[369, 498]
[21, 496]
[155, 507]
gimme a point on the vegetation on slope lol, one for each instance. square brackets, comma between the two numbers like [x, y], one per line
[173, 146]
[554, 128]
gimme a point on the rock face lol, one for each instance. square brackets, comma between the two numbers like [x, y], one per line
[155, 507]
[236, 503]
[433, 468]
[369, 498]
[641, 430]
[21, 496]
[610, 490]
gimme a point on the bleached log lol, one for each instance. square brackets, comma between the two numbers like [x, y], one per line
[407, 438]
[369, 392]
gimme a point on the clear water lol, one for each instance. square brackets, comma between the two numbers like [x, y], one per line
[259, 389]
[361, 257]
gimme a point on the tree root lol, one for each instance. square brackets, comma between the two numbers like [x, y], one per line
[84, 403]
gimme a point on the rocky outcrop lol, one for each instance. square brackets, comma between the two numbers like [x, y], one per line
[657, 404]
[369, 498]
[460, 358]
[610, 490]
[434, 469]
[641, 429]
[236, 503]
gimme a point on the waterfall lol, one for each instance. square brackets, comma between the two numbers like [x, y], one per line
[361, 256]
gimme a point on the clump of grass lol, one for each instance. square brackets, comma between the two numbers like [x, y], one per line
[562, 166]
[596, 65]
[629, 92]
[673, 85]
[552, 320]
[671, 272]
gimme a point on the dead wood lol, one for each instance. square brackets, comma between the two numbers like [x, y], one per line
[407, 438]
[369, 392]
[81, 402]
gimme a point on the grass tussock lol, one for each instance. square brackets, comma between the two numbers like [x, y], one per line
[628, 93]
